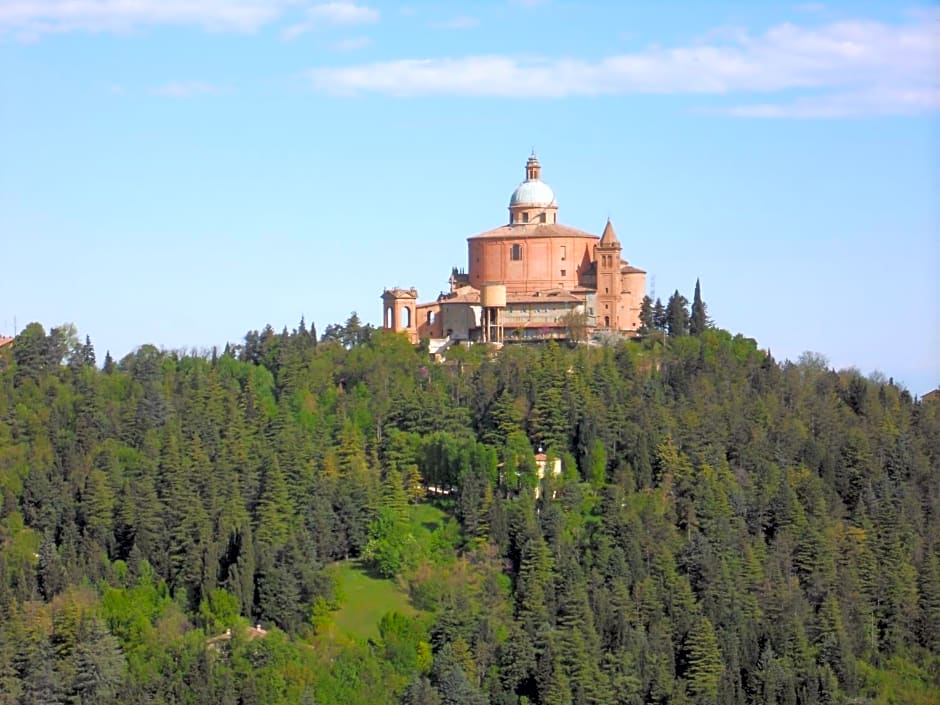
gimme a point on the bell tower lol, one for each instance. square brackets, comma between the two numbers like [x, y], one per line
[608, 279]
[398, 312]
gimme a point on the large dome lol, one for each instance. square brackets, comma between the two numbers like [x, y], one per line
[532, 193]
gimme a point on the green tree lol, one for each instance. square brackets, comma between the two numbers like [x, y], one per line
[677, 315]
[647, 319]
[699, 320]
[704, 661]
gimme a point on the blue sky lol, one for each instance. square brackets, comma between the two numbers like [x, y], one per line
[180, 171]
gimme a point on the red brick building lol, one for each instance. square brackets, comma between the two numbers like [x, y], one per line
[531, 278]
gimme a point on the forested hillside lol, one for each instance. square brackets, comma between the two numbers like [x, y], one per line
[725, 528]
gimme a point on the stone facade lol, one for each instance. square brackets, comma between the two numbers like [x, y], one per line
[554, 281]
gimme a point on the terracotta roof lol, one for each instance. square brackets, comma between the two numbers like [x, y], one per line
[5, 341]
[463, 295]
[630, 269]
[469, 295]
[526, 230]
[512, 325]
[542, 296]
[609, 237]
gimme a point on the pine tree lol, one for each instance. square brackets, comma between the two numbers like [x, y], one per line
[647, 320]
[414, 483]
[677, 315]
[704, 661]
[274, 508]
[659, 315]
[929, 594]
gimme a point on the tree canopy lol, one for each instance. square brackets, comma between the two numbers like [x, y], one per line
[725, 528]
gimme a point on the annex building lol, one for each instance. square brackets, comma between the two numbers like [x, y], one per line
[530, 279]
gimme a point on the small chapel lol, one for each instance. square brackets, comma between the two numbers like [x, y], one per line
[530, 279]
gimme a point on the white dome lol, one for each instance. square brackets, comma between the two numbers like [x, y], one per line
[533, 193]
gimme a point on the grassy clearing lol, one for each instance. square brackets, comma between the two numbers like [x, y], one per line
[366, 598]
[427, 517]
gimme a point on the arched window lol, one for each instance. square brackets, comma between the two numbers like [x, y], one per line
[607, 321]
[389, 318]
[406, 316]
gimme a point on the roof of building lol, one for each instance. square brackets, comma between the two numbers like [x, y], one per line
[534, 192]
[529, 230]
[5, 341]
[630, 269]
[609, 237]
[535, 324]
[469, 295]
[551, 295]
[399, 293]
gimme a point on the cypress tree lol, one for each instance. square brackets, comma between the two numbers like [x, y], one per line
[699, 321]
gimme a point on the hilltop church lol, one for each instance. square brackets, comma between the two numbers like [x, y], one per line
[530, 279]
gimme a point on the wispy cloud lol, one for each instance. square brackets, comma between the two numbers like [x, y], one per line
[332, 14]
[186, 89]
[880, 101]
[37, 17]
[856, 67]
[461, 22]
[30, 19]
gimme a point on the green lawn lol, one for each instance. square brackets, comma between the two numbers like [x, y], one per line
[427, 516]
[366, 598]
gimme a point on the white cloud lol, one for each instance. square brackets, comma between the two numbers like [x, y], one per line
[30, 19]
[342, 13]
[461, 22]
[880, 101]
[37, 17]
[332, 14]
[895, 66]
[186, 89]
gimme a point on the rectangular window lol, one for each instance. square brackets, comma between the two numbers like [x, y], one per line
[525, 217]
[564, 252]
[516, 252]
[542, 218]
[564, 272]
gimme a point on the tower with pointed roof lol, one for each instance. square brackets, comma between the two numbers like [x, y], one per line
[607, 264]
